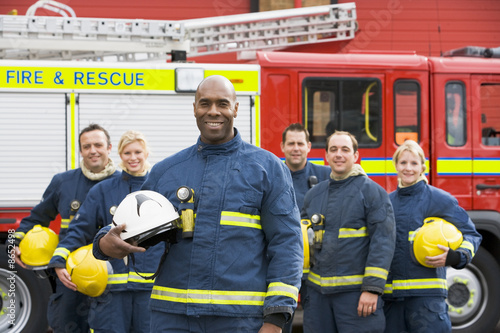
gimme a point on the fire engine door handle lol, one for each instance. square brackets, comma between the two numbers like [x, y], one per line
[485, 186]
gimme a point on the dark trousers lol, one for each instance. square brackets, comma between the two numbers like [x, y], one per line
[338, 312]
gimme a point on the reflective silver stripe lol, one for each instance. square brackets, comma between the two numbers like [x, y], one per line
[117, 278]
[376, 272]
[62, 252]
[335, 281]
[411, 236]
[388, 288]
[131, 277]
[221, 297]
[468, 246]
[19, 235]
[240, 219]
[65, 223]
[350, 232]
[419, 284]
[135, 277]
[282, 289]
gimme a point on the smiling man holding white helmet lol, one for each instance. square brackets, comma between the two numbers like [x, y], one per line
[241, 268]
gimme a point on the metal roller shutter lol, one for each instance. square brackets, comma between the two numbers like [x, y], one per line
[32, 145]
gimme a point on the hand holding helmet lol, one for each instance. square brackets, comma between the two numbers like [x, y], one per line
[142, 216]
[113, 246]
[440, 259]
[65, 278]
[433, 241]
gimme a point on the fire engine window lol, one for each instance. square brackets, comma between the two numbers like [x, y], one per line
[343, 104]
[406, 111]
[455, 114]
[490, 115]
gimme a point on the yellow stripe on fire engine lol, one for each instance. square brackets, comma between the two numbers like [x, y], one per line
[374, 166]
[379, 166]
[486, 166]
[454, 166]
[241, 80]
[87, 78]
[257, 121]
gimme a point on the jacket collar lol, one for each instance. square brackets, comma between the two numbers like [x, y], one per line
[224, 148]
[408, 190]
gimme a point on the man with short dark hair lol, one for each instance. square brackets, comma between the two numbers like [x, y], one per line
[296, 146]
[354, 227]
[68, 309]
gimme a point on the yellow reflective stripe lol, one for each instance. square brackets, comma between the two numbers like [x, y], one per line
[19, 235]
[350, 232]
[73, 129]
[335, 281]
[282, 289]
[419, 284]
[240, 219]
[117, 278]
[62, 252]
[388, 288]
[135, 277]
[486, 166]
[376, 272]
[130, 277]
[65, 223]
[380, 166]
[374, 166]
[468, 246]
[466, 166]
[318, 161]
[454, 166]
[220, 297]
[256, 121]
[411, 236]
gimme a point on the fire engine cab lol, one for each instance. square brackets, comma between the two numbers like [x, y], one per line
[449, 105]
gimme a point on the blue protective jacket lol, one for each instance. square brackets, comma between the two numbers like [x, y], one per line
[359, 235]
[245, 258]
[64, 195]
[94, 214]
[411, 206]
[301, 177]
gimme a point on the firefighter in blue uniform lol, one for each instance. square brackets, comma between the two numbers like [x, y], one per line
[415, 294]
[239, 271]
[354, 243]
[65, 194]
[126, 300]
[296, 145]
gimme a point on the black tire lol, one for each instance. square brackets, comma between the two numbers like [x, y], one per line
[474, 295]
[24, 298]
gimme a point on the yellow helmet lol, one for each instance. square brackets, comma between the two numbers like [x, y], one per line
[37, 247]
[435, 231]
[89, 274]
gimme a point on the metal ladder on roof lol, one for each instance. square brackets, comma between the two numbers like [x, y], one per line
[72, 38]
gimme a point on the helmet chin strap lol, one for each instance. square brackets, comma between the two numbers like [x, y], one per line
[162, 259]
[169, 237]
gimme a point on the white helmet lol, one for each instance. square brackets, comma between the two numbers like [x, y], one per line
[145, 214]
